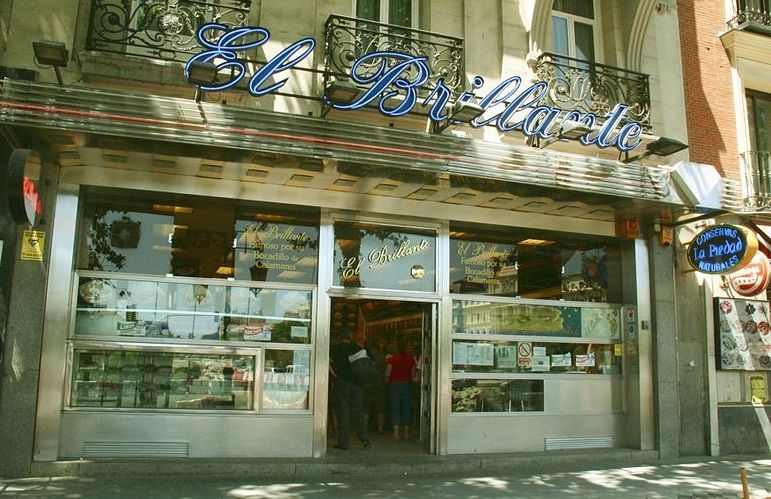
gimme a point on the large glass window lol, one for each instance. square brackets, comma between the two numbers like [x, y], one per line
[166, 309]
[142, 233]
[380, 257]
[759, 107]
[168, 273]
[538, 265]
[574, 31]
[162, 380]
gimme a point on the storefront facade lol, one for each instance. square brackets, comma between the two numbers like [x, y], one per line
[199, 252]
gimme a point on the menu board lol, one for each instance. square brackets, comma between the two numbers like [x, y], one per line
[483, 268]
[472, 354]
[743, 334]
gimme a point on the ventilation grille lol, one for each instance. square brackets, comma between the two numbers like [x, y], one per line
[136, 449]
[580, 443]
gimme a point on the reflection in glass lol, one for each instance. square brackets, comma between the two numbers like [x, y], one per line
[155, 234]
[478, 267]
[121, 307]
[286, 379]
[497, 395]
[481, 317]
[267, 251]
[559, 30]
[379, 257]
[162, 380]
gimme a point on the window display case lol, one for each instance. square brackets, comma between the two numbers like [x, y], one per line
[108, 305]
[497, 395]
[286, 379]
[120, 378]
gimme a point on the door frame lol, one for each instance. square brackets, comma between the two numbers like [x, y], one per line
[440, 325]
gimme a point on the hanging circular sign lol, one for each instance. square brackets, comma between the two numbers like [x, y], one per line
[753, 278]
[721, 249]
[24, 186]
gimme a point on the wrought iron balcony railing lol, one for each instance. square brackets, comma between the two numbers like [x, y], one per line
[347, 39]
[589, 87]
[757, 178]
[754, 15]
[161, 29]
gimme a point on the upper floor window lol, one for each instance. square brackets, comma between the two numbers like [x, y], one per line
[396, 12]
[759, 109]
[575, 30]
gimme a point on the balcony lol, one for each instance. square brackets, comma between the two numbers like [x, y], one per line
[752, 15]
[588, 87]
[160, 29]
[757, 176]
[347, 39]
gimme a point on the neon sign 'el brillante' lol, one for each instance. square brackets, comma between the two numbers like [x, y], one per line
[508, 106]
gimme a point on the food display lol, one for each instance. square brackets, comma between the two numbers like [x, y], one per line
[162, 380]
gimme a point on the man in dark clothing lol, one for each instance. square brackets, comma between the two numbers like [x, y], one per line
[349, 396]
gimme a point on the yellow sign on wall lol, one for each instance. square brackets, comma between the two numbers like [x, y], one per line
[32, 244]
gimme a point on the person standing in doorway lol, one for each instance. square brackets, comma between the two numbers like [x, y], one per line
[400, 371]
[349, 396]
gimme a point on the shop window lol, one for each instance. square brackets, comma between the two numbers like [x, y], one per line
[121, 379]
[380, 257]
[170, 310]
[496, 356]
[497, 395]
[530, 264]
[286, 380]
[575, 30]
[152, 234]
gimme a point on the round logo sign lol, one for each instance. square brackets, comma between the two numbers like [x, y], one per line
[753, 278]
[722, 248]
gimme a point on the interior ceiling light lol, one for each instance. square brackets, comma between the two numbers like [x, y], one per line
[536, 242]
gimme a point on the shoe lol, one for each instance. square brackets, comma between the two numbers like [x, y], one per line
[365, 444]
[341, 448]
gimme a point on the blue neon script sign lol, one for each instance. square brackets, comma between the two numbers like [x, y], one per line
[395, 84]
[722, 248]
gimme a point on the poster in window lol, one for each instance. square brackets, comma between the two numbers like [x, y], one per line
[743, 334]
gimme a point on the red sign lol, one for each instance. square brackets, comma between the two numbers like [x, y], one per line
[23, 183]
[753, 278]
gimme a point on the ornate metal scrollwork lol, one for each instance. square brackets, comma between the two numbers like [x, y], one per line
[161, 29]
[347, 39]
[751, 12]
[594, 88]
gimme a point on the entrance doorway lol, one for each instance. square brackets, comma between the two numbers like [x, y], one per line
[392, 331]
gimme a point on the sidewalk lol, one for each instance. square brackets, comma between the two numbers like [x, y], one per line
[710, 478]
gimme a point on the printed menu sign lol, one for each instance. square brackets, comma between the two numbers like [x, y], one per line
[743, 334]
[276, 252]
[473, 354]
[483, 268]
